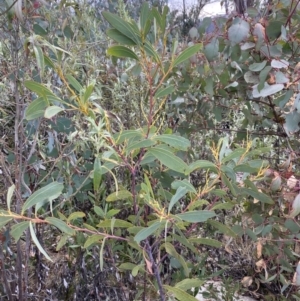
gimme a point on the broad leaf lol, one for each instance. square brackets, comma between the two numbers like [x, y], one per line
[62, 226]
[180, 192]
[119, 195]
[92, 240]
[186, 54]
[122, 26]
[196, 216]
[188, 283]
[18, 229]
[172, 251]
[36, 108]
[257, 195]
[139, 144]
[37, 243]
[267, 90]
[75, 215]
[117, 36]
[48, 192]
[202, 164]
[179, 294]
[164, 91]
[117, 223]
[184, 183]
[222, 228]
[4, 220]
[144, 233]
[122, 51]
[177, 142]
[238, 31]
[40, 59]
[74, 82]
[52, 111]
[168, 159]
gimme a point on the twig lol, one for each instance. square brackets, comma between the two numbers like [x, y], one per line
[162, 295]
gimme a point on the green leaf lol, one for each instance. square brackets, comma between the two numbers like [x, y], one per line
[74, 82]
[40, 59]
[237, 153]
[186, 54]
[36, 109]
[122, 51]
[97, 175]
[98, 210]
[175, 141]
[184, 183]
[63, 240]
[222, 228]
[267, 90]
[211, 50]
[256, 67]
[238, 31]
[48, 192]
[139, 144]
[49, 62]
[93, 239]
[119, 195]
[37, 243]
[196, 216]
[18, 229]
[126, 266]
[40, 90]
[232, 187]
[118, 37]
[52, 111]
[168, 159]
[202, 164]
[188, 284]
[88, 92]
[101, 254]
[206, 241]
[179, 294]
[180, 192]
[172, 251]
[122, 26]
[144, 233]
[223, 206]
[4, 220]
[164, 91]
[117, 223]
[62, 226]
[257, 195]
[145, 13]
[75, 215]
[157, 17]
[126, 135]
[10, 193]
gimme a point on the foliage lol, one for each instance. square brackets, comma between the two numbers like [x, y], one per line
[128, 154]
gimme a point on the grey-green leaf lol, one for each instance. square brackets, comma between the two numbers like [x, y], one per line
[50, 191]
[61, 225]
[196, 216]
[37, 243]
[122, 51]
[186, 54]
[18, 229]
[177, 142]
[144, 233]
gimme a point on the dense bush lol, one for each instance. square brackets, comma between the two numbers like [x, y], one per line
[136, 156]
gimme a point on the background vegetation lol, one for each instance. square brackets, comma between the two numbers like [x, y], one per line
[144, 152]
